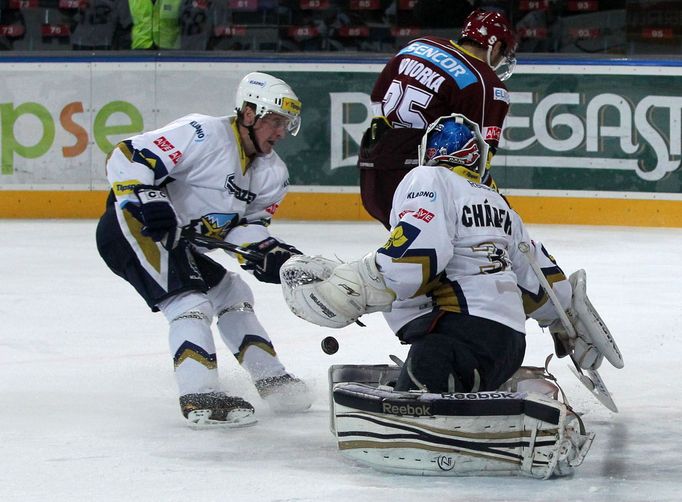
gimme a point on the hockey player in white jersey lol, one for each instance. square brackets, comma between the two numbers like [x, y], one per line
[456, 281]
[451, 279]
[221, 178]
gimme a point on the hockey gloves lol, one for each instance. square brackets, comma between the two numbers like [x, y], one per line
[275, 254]
[156, 214]
[333, 294]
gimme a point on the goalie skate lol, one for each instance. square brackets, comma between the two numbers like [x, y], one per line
[216, 409]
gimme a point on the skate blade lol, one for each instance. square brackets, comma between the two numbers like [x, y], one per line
[200, 419]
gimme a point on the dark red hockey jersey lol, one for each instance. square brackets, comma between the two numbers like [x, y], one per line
[432, 77]
[427, 79]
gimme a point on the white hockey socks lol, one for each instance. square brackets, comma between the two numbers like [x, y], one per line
[194, 354]
[246, 338]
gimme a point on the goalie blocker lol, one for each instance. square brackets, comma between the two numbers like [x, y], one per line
[460, 434]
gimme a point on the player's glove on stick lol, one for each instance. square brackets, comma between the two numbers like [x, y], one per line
[156, 214]
[276, 253]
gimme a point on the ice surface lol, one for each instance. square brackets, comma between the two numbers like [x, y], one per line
[88, 405]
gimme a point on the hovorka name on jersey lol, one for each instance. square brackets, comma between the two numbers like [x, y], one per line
[486, 215]
[427, 77]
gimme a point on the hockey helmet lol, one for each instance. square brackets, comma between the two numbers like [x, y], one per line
[269, 95]
[455, 141]
[488, 27]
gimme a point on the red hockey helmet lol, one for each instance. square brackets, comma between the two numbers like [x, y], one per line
[488, 27]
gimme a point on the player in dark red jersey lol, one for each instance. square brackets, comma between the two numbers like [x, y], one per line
[427, 79]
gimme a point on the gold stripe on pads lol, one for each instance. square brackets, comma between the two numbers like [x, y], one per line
[261, 345]
[367, 445]
[515, 434]
[190, 354]
[348, 207]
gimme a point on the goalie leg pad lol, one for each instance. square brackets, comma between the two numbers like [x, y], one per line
[459, 434]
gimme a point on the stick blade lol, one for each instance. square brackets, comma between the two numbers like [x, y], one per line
[595, 384]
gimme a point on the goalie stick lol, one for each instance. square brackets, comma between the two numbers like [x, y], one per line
[593, 380]
[213, 243]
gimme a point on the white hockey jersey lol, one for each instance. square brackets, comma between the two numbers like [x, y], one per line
[210, 181]
[454, 247]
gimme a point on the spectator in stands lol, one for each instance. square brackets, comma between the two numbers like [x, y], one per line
[156, 24]
[441, 13]
[196, 25]
[47, 25]
[541, 30]
[102, 25]
[12, 26]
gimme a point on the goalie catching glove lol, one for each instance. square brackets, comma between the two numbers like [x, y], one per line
[275, 254]
[155, 211]
[332, 294]
[593, 340]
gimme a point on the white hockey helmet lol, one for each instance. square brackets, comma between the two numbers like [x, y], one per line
[270, 95]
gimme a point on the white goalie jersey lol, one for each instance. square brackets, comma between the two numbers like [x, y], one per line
[454, 246]
[221, 191]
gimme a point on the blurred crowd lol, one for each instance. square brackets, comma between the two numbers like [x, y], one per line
[588, 26]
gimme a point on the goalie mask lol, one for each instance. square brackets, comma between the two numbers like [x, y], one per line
[269, 95]
[456, 142]
[486, 28]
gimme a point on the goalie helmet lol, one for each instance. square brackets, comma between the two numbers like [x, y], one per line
[485, 28]
[269, 94]
[455, 141]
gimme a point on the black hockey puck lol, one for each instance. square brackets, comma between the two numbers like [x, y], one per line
[330, 345]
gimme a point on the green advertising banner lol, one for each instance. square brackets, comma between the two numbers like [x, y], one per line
[580, 128]
[597, 129]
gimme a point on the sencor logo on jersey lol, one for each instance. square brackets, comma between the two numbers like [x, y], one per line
[500, 94]
[400, 239]
[443, 60]
[492, 133]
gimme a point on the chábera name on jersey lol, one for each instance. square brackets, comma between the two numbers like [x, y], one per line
[486, 215]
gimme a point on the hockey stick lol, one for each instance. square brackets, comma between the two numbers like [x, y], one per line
[213, 243]
[593, 380]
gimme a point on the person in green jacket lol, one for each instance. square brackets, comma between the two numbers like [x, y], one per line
[156, 24]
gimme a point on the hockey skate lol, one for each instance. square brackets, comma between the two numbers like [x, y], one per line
[285, 393]
[216, 409]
